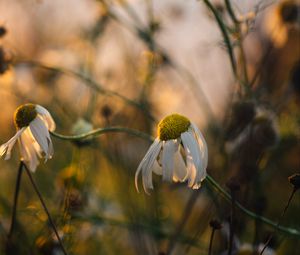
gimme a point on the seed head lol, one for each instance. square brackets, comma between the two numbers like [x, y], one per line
[24, 114]
[295, 180]
[215, 224]
[172, 126]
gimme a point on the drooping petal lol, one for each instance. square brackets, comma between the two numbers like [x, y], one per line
[7, 147]
[193, 154]
[145, 161]
[180, 169]
[41, 135]
[203, 146]
[30, 150]
[147, 170]
[156, 168]
[46, 117]
[168, 153]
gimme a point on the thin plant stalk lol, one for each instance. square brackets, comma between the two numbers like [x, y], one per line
[46, 209]
[209, 180]
[280, 219]
[185, 216]
[231, 226]
[211, 241]
[16, 196]
[225, 35]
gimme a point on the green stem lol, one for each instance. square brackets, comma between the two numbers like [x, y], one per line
[240, 43]
[100, 131]
[225, 35]
[251, 214]
[281, 217]
[209, 179]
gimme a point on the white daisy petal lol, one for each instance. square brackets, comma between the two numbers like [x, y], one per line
[41, 135]
[203, 146]
[29, 150]
[7, 147]
[145, 161]
[156, 168]
[164, 158]
[34, 122]
[168, 152]
[46, 117]
[180, 169]
[147, 170]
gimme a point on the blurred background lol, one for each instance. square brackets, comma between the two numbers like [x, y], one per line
[130, 63]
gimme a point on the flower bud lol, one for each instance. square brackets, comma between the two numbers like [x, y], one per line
[215, 224]
[295, 180]
[242, 114]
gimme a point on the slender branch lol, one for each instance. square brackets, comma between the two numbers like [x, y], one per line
[211, 241]
[184, 218]
[16, 196]
[280, 219]
[230, 11]
[101, 131]
[46, 209]
[251, 214]
[240, 42]
[88, 81]
[232, 225]
[210, 181]
[225, 35]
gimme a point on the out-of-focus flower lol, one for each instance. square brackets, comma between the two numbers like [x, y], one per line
[247, 248]
[3, 31]
[33, 123]
[179, 153]
[5, 60]
[281, 20]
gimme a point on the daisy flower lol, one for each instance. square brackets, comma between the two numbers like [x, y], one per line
[33, 123]
[179, 153]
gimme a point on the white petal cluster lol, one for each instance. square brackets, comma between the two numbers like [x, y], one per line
[181, 159]
[34, 139]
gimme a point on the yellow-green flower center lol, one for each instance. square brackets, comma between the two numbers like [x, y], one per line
[172, 126]
[24, 115]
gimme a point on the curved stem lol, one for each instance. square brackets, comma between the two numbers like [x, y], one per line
[100, 131]
[46, 209]
[251, 214]
[88, 81]
[209, 179]
[281, 217]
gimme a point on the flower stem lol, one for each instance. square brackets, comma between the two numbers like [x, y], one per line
[251, 214]
[45, 208]
[16, 196]
[185, 216]
[210, 181]
[211, 241]
[280, 219]
[225, 35]
[231, 226]
[100, 131]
